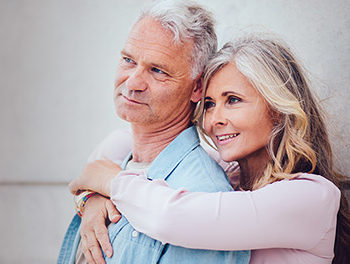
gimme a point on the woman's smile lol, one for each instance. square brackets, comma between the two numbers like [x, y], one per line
[237, 117]
[226, 138]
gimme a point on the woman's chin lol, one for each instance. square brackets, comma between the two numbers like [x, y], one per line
[227, 157]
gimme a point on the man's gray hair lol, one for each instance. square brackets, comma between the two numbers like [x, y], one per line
[187, 20]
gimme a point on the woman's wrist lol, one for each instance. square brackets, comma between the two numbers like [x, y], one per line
[106, 189]
[80, 201]
[107, 183]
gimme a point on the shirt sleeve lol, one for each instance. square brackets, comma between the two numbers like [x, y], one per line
[116, 146]
[288, 214]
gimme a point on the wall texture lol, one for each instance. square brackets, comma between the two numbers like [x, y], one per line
[57, 65]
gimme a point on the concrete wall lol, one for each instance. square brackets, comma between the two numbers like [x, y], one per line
[57, 65]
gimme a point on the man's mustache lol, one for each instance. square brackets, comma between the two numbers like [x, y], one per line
[132, 95]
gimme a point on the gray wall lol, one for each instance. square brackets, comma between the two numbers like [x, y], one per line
[57, 65]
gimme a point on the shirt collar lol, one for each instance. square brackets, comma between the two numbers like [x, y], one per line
[172, 155]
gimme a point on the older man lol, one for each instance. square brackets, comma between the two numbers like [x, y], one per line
[156, 89]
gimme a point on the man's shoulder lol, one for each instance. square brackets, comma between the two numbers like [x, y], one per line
[198, 156]
[199, 172]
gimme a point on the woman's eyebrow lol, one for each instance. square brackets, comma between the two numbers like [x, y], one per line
[230, 92]
[224, 94]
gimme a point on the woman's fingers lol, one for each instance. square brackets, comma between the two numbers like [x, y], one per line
[101, 234]
[113, 214]
[93, 230]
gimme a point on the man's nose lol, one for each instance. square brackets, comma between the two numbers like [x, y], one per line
[136, 80]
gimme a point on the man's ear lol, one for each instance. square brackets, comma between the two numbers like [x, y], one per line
[197, 90]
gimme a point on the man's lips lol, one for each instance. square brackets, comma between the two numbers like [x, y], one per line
[131, 100]
[226, 138]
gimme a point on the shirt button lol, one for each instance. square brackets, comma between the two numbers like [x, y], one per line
[134, 233]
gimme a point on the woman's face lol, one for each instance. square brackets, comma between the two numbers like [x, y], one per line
[236, 116]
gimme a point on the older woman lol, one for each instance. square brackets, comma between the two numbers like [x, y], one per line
[258, 110]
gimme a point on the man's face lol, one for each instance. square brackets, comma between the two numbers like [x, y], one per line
[153, 84]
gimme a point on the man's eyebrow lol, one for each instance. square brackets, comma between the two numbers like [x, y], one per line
[161, 66]
[125, 53]
[155, 65]
[208, 98]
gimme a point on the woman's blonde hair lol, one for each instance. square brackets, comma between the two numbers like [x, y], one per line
[299, 140]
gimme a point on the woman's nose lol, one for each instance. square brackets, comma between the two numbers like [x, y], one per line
[218, 117]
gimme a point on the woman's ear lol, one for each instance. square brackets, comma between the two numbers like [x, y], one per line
[197, 90]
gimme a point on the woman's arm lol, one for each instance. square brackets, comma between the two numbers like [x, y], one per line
[103, 163]
[115, 147]
[96, 176]
[99, 209]
[288, 214]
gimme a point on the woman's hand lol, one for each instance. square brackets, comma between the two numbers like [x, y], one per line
[99, 211]
[96, 176]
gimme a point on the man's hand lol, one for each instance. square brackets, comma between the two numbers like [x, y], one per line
[96, 176]
[99, 212]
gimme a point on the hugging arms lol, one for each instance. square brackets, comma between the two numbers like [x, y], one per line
[258, 110]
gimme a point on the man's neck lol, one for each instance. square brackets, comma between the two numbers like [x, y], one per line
[149, 141]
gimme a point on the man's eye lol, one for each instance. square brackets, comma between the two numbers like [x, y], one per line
[128, 60]
[156, 70]
[233, 100]
[208, 104]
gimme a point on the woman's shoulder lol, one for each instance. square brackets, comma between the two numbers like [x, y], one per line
[309, 180]
[309, 196]
[315, 188]
[307, 191]
[322, 204]
[318, 180]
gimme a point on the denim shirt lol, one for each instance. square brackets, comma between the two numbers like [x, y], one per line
[183, 163]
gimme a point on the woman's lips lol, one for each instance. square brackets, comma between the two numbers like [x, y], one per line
[226, 138]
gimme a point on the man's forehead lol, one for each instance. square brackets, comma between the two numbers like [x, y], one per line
[149, 40]
[140, 43]
[149, 31]
[151, 26]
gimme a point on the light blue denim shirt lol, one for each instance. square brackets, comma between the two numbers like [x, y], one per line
[183, 163]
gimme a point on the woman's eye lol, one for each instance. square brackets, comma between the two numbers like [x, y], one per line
[208, 104]
[156, 70]
[233, 99]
